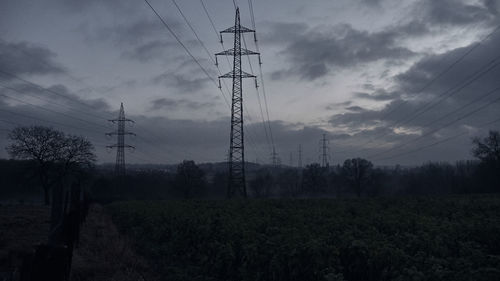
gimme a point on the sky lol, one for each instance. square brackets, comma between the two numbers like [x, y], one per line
[393, 81]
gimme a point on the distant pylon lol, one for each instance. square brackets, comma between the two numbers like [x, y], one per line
[291, 159]
[299, 164]
[274, 158]
[236, 145]
[324, 151]
[120, 144]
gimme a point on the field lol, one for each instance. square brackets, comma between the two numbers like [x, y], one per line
[448, 238]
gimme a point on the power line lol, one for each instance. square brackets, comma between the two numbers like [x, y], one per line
[47, 121]
[209, 18]
[250, 6]
[430, 82]
[194, 31]
[441, 127]
[447, 69]
[247, 114]
[451, 92]
[58, 94]
[52, 111]
[46, 109]
[483, 70]
[487, 94]
[460, 88]
[229, 64]
[180, 43]
[79, 129]
[48, 90]
[52, 102]
[186, 20]
[435, 143]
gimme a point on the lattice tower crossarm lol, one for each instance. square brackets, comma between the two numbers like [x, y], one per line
[236, 181]
[120, 142]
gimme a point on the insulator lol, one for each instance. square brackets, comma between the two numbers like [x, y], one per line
[260, 60]
[220, 87]
[216, 61]
[222, 42]
[256, 84]
[255, 37]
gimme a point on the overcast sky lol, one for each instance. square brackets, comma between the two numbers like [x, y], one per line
[379, 77]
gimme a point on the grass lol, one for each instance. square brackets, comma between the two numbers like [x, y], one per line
[445, 238]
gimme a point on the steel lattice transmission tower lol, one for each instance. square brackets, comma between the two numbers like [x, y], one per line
[236, 145]
[274, 158]
[324, 151]
[120, 143]
[299, 164]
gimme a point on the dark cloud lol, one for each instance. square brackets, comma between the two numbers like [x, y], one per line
[182, 83]
[493, 6]
[136, 32]
[143, 40]
[421, 73]
[377, 95]
[163, 140]
[57, 94]
[453, 12]
[179, 104]
[337, 105]
[77, 6]
[423, 107]
[151, 50]
[371, 3]
[21, 58]
[279, 32]
[355, 108]
[313, 54]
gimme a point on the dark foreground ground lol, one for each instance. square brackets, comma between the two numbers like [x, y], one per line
[102, 254]
[445, 238]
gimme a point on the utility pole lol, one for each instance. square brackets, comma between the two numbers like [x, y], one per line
[300, 157]
[236, 144]
[274, 158]
[120, 143]
[324, 152]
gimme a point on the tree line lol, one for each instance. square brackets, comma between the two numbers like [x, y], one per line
[50, 158]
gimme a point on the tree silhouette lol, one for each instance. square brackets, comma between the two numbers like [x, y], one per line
[55, 153]
[357, 173]
[314, 179]
[189, 178]
[488, 149]
[262, 184]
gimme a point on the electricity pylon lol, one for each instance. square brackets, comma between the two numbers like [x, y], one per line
[299, 164]
[120, 143]
[274, 158]
[324, 151]
[236, 145]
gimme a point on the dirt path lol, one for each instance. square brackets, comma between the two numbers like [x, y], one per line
[104, 254]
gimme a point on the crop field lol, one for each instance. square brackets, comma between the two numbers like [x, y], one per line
[438, 238]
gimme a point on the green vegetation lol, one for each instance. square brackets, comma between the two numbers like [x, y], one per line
[439, 238]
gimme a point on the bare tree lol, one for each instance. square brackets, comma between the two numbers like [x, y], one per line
[487, 149]
[55, 153]
[357, 172]
[189, 179]
[262, 184]
[314, 179]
